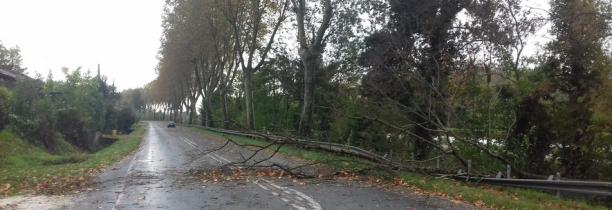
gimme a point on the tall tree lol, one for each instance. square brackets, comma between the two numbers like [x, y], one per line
[577, 64]
[418, 51]
[255, 24]
[311, 52]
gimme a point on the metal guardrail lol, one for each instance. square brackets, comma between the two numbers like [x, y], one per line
[561, 187]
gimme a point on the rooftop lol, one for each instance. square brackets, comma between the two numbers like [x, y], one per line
[5, 74]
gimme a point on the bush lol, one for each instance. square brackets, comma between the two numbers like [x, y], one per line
[125, 119]
[73, 129]
[4, 107]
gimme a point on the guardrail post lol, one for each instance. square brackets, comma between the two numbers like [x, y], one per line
[558, 178]
[469, 169]
[508, 170]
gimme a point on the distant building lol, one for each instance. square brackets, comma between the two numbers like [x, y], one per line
[7, 78]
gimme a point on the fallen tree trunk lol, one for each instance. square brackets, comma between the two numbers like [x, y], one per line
[354, 151]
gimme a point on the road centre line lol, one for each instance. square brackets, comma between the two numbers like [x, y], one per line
[311, 202]
[211, 155]
[289, 196]
[299, 196]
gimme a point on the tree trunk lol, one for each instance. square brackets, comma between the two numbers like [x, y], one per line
[310, 53]
[311, 62]
[248, 89]
[172, 114]
[226, 118]
[421, 147]
[181, 114]
[192, 110]
[209, 112]
[203, 113]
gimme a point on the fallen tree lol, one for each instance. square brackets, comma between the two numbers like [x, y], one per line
[276, 142]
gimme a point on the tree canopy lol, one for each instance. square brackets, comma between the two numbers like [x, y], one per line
[10, 59]
[411, 79]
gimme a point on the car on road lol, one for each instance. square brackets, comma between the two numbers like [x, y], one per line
[171, 124]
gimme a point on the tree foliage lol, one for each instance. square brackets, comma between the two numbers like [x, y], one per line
[4, 107]
[411, 79]
[10, 59]
[73, 110]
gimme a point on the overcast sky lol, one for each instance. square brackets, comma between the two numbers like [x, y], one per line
[120, 35]
[123, 36]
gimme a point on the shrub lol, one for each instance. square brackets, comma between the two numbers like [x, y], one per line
[125, 119]
[71, 125]
[4, 107]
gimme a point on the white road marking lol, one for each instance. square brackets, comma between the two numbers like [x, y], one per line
[298, 197]
[191, 143]
[222, 158]
[311, 202]
[292, 197]
[288, 198]
[214, 158]
[298, 207]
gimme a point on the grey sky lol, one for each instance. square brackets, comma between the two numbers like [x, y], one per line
[121, 35]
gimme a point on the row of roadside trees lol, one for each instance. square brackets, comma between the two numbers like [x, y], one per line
[459, 79]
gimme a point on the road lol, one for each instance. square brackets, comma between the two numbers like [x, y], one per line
[157, 177]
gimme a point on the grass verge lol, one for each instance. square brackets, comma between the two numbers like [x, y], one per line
[25, 168]
[482, 196]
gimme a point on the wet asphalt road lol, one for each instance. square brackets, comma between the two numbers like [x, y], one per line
[157, 177]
